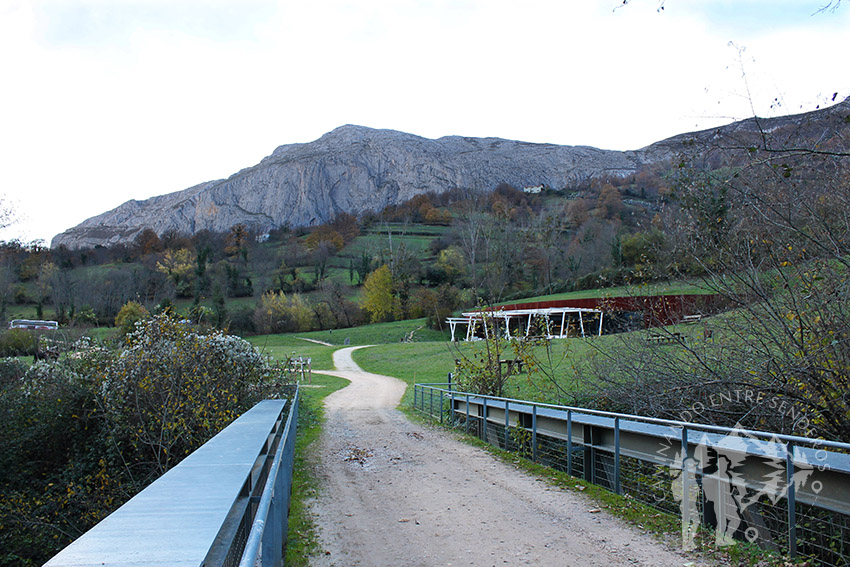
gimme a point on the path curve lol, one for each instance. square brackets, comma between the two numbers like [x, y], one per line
[395, 493]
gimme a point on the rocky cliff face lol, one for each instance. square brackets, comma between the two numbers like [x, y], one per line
[351, 169]
[355, 169]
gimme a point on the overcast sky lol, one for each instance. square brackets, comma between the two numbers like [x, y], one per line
[105, 101]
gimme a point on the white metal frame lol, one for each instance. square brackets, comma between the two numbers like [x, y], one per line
[473, 318]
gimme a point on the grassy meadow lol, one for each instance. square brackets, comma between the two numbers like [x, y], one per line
[654, 288]
[431, 356]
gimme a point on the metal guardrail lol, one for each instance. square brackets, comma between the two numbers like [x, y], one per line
[226, 504]
[267, 538]
[784, 492]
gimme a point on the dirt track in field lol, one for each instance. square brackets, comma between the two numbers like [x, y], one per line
[395, 493]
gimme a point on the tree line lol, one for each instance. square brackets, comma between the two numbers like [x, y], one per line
[491, 245]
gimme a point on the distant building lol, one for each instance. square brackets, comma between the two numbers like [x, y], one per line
[534, 189]
[33, 324]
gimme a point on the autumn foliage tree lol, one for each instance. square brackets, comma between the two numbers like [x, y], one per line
[326, 234]
[148, 242]
[379, 298]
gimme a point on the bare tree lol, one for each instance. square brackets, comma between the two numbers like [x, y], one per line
[769, 232]
[469, 223]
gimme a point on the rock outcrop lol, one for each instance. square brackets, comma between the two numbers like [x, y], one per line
[351, 169]
[356, 169]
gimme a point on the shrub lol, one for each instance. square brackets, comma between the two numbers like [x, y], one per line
[171, 388]
[86, 317]
[18, 342]
[11, 371]
[242, 320]
[19, 294]
[80, 435]
[275, 313]
[129, 315]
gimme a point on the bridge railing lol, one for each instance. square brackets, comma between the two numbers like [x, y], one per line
[786, 493]
[226, 504]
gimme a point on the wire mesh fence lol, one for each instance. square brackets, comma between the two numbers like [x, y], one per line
[738, 507]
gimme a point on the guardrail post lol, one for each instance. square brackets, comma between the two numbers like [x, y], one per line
[589, 457]
[570, 442]
[617, 488]
[484, 422]
[534, 433]
[792, 500]
[507, 424]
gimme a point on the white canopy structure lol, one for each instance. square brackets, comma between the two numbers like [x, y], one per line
[551, 322]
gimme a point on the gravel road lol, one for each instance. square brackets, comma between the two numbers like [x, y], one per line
[395, 493]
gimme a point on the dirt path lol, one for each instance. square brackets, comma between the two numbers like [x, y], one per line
[398, 494]
[323, 343]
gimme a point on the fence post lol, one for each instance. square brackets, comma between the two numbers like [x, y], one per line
[792, 500]
[467, 414]
[617, 488]
[431, 402]
[687, 535]
[415, 394]
[570, 442]
[534, 433]
[442, 406]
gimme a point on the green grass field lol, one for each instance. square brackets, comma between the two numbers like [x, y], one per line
[430, 356]
[555, 380]
[371, 243]
[378, 333]
[432, 361]
[282, 347]
[621, 291]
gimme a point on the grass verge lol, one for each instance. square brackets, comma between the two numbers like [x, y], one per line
[303, 537]
[660, 288]
[283, 346]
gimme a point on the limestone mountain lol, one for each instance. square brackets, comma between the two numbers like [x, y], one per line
[351, 169]
[356, 169]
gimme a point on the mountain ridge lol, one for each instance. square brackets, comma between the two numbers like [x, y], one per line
[355, 169]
